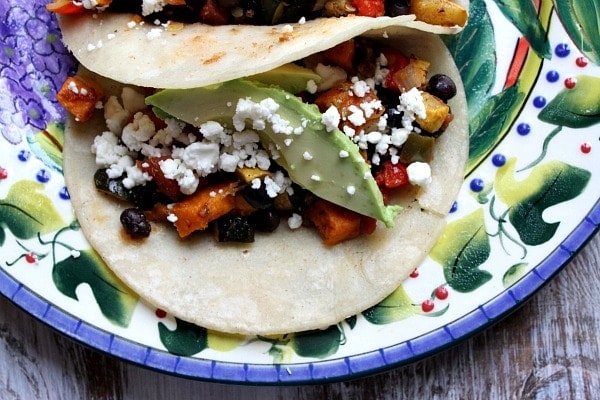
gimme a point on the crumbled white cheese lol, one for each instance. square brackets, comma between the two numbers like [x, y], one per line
[351, 190]
[419, 173]
[295, 221]
[154, 33]
[315, 178]
[107, 149]
[137, 132]
[152, 6]
[359, 87]
[331, 118]
[307, 156]
[344, 154]
[357, 116]
[412, 102]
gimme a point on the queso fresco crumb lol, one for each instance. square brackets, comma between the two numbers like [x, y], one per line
[231, 167]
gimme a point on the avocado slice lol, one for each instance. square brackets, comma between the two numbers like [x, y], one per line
[290, 77]
[312, 158]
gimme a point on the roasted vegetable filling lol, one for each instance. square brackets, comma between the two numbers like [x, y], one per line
[269, 12]
[227, 176]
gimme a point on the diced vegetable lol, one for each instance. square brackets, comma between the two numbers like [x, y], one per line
[335, 224]
[80, 96]
[417, 148]
[437, 111]
[412, 75]
[213, 14]
[341, 55]
[231, 228]
[65, 7]
[369, 8]
[194, 213]
[439, 12]
[391, 176]
[112, 187]
[247, 174]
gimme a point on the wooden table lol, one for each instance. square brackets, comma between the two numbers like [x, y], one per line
[548, 349]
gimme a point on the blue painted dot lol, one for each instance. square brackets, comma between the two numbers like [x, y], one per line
[454, 207]
[499, 160]
[523, 129]
[539, 101]
[43, 175]
[477, 185]
[562, 50]
[64, 193]
[24, 155]
[552, 76]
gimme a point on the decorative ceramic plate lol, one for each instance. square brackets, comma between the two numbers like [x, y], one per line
[530, 200]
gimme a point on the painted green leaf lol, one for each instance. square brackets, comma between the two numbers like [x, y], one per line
[581, 19]
[2, 236]
[317, 343]
[490, 124]
[27, 211]
[351, 321]
[576, 108]
[514, 273]
[185, 340]
[223, 341]
[474, 53]
[397, 306]
[463, 247]
[547, 185]
[115, 300]
[47, 145]
[523, 15]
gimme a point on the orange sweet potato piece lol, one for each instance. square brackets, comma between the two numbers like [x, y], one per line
[79, 95]
[195, 212]
[335, 224]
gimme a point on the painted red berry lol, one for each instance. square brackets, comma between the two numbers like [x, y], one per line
[427, 305]
[586, 148]
[3, 173]
[414, 274]
[581, 61]
[570, 82]
[30, 258]
[160, 313]
[441, 293]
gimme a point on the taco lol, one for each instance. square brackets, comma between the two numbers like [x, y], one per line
[290, 279]
[130, 50]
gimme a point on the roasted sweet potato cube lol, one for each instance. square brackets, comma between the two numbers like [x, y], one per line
[439, 12]
[195, 212]
[334, 223]
[437, 111]
[79, 96]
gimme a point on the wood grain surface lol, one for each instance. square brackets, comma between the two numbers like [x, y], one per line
[547, 349]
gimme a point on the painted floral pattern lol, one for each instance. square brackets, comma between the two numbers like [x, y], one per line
[531, 162]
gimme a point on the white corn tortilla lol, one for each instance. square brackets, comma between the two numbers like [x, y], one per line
[199, 55]
[286, 281]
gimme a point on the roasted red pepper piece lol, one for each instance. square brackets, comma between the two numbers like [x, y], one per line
[391, 176]
[370, 8]
[65, 7]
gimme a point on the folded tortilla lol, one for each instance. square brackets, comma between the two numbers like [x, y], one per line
[288, 280]
[195, 55]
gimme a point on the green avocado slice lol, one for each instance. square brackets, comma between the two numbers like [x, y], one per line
[326, 163]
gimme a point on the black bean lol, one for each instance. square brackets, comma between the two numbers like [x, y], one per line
[144, 196]
[135, 223]
[394, 8]
[394, 118]
[257, 198]
[441, 86]
[266, 220]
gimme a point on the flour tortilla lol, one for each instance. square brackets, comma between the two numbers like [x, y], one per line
[199, 55]
[286, 281]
